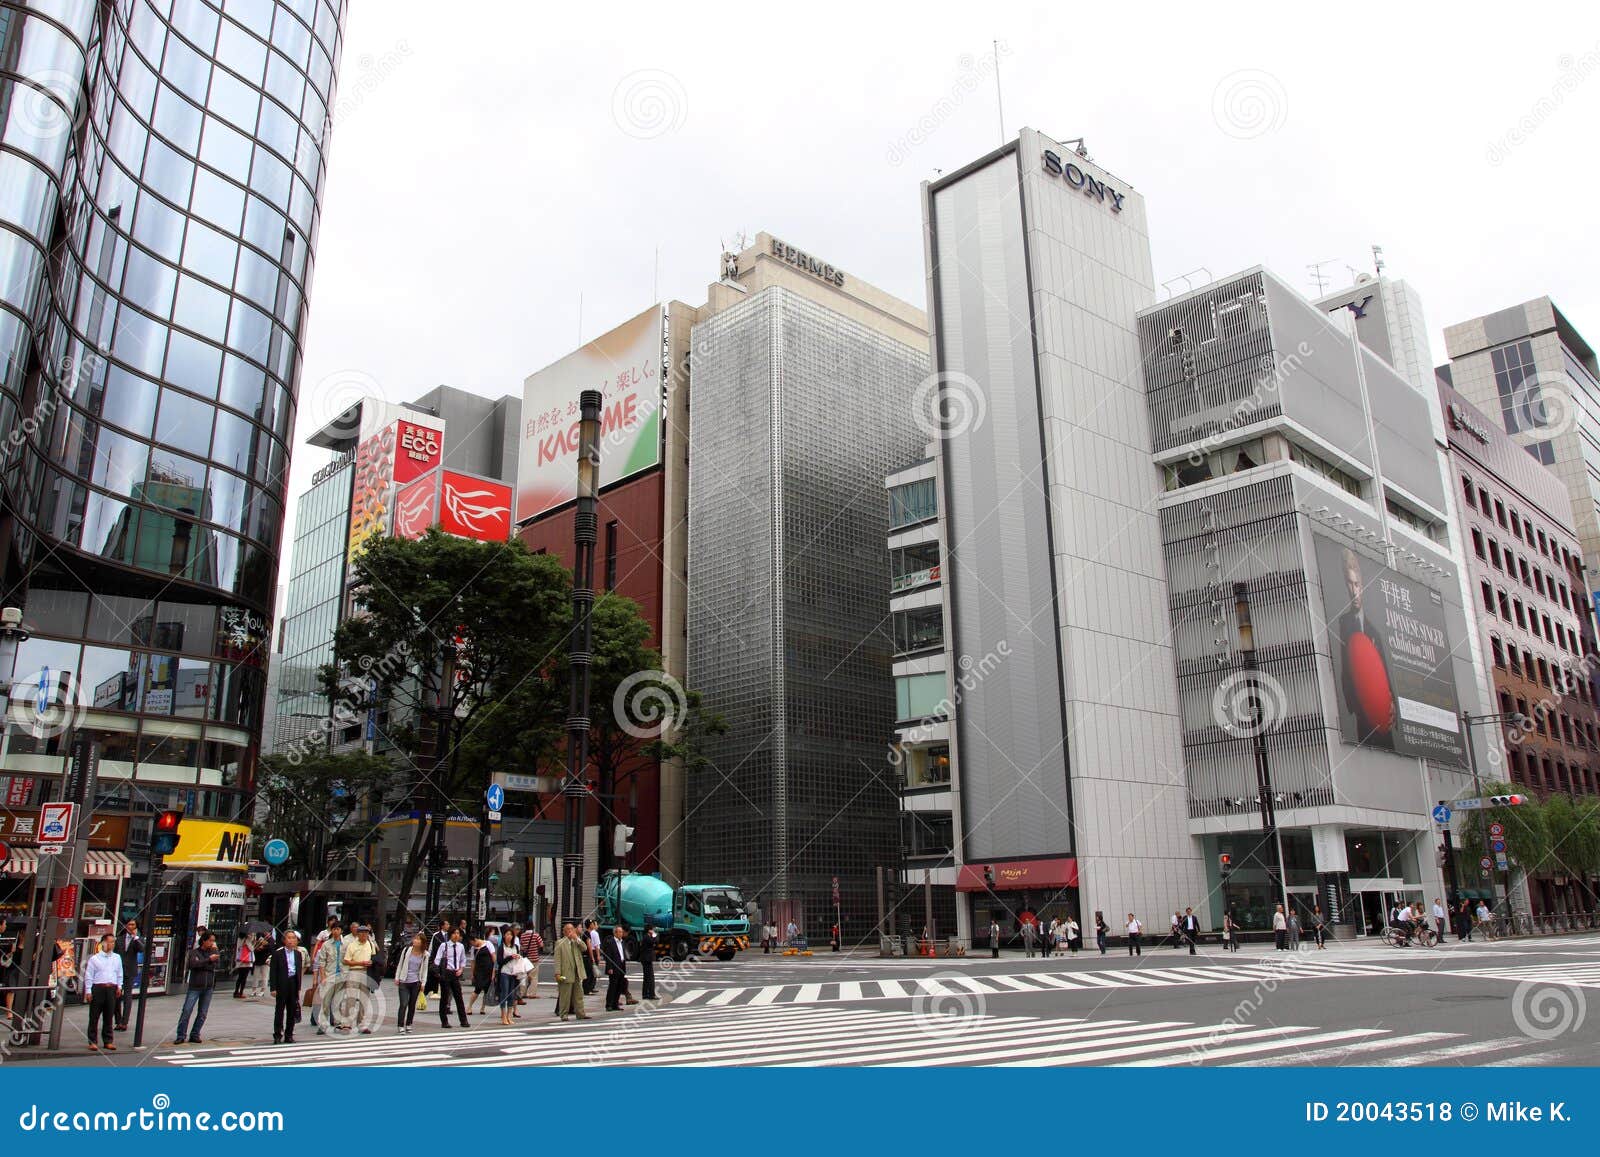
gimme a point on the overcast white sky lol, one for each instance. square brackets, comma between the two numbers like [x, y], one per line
[488, 167]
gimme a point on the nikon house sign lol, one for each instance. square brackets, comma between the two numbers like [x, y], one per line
[1078, 179]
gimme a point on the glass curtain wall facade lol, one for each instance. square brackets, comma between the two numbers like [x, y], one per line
[168, 160]
[312, 611]
[799, 414]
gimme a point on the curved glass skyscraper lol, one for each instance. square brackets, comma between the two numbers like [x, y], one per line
[161, 165]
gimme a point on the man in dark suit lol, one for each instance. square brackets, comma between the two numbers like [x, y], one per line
[614, 951]
[285, 971]
[1191, 928]
[129, 946]
[647, 959]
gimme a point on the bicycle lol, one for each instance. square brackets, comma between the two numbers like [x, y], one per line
[1403, 938]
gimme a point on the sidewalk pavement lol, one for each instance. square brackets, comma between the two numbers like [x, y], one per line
[249, 1021]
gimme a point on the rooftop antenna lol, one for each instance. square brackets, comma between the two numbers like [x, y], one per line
[1377, 260]
[1319, 278]
[999, 98]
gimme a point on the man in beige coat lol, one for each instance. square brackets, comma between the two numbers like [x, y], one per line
[570, 954]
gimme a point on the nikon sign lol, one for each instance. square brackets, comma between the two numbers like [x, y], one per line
[209, 845]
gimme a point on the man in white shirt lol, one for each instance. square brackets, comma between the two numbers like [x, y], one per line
[103, 978]
[1438, 916]
[1134, 929]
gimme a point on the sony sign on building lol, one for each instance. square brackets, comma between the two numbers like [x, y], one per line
[1069, 751]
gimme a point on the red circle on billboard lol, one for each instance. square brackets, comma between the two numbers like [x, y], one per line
[1371, 681]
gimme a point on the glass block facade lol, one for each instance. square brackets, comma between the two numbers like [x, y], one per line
[798, 415]
[168, 157]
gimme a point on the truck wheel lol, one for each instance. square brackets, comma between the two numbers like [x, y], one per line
[680, 950]
[726, 954]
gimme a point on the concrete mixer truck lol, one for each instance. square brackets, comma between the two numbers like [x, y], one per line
[702, 919]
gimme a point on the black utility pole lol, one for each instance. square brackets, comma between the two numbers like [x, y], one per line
[575, 794]
[438, 730]
[158, 866]
[1258, 726]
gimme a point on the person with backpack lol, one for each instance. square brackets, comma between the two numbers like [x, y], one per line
[244, 959]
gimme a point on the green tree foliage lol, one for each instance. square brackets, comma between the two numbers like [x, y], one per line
[319, 805]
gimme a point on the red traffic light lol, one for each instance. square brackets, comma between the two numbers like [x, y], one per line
[1224, 859]
[1507, 800]
[165, 840]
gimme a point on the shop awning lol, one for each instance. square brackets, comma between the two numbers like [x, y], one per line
[99, 865]
[21, 862]
[1019, 875]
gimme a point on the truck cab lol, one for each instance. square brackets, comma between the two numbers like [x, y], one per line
[714, 916]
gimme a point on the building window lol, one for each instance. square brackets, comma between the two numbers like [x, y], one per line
[921, 696]
[912, 503]
[1477, 542]
[611, 555]
[1488, 596]
[913, 566]
[920, 629]
[929, 833]
[1499, 653]
[1522, 404]
[926, 766]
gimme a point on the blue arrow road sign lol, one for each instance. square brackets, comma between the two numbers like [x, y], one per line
[1498, 847]
[276, 852]
[496, 796]
[1441, 814]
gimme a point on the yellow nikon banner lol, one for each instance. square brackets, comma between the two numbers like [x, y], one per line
[211, 845]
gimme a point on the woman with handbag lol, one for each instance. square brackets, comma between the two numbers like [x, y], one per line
[1074, 935]
[509, 977]
[410, 974]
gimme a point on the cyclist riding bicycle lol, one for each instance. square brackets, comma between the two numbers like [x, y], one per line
[1404, 920]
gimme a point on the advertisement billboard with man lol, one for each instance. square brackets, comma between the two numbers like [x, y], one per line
[1392, 665]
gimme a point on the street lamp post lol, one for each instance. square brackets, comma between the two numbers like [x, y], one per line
[575, 792]
[1258, 728]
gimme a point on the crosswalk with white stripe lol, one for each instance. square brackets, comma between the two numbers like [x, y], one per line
[899, 988]
[1580, 974]
[806, 1035]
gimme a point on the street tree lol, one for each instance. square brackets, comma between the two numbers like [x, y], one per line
[319, 804]
[494, 613]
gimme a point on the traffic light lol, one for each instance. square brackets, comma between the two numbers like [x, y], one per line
[165, 840]
[1225, 863]
[506, 856]
[622, 840]
[1506, 800]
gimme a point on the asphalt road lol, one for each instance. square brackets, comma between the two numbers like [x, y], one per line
[1518, 1002]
